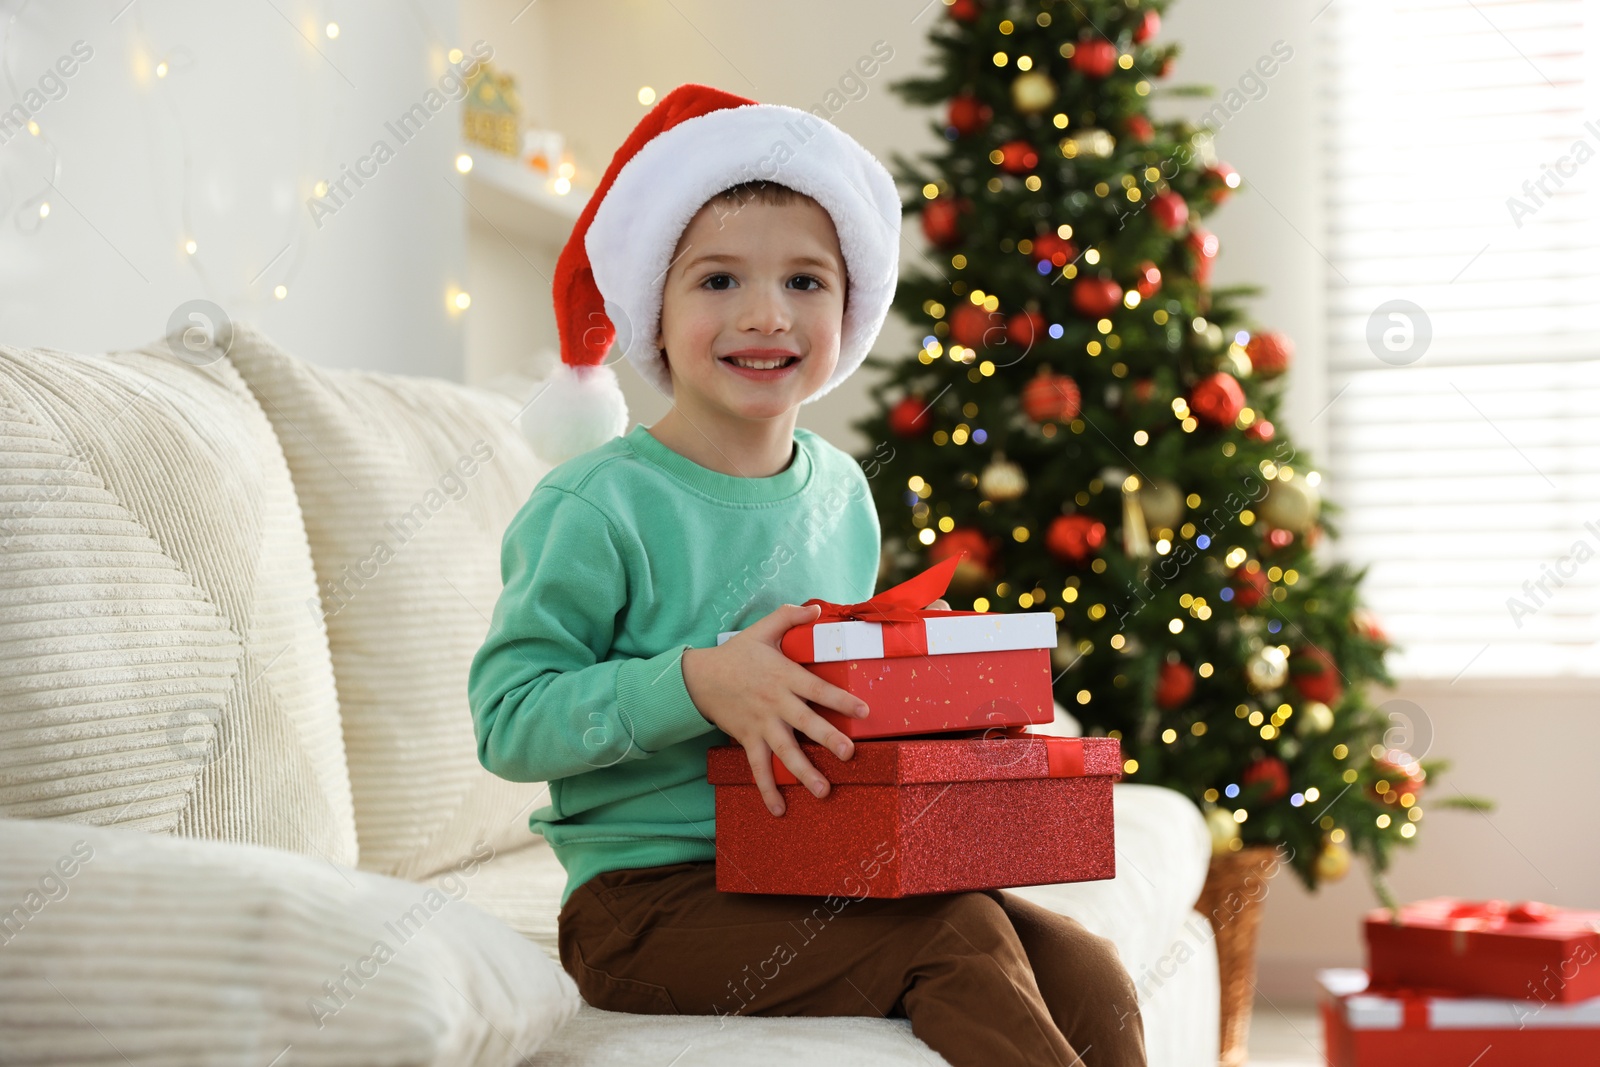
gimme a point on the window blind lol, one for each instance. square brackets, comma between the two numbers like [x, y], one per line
[1462, 147]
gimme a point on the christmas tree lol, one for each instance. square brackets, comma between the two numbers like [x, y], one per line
[1091, 427]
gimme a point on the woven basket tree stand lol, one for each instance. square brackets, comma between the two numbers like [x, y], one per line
[1232, 900]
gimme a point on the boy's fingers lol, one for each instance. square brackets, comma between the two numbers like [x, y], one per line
[814, 689]
[822, 731]
[773, 626]
[789, 752]
[760, 757]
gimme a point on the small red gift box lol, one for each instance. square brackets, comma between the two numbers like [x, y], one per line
[1370, 1026]
[934, 815]
[927, 671]
[1490, 947]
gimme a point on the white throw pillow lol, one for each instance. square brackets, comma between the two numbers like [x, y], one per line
[120, 947]
[408, 484]
[158, 667]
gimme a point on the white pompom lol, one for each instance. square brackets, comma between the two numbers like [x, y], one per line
[577, 408]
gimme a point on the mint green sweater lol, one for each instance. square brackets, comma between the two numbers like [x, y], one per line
[621, 558]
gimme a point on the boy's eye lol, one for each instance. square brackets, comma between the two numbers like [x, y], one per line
[714, 281]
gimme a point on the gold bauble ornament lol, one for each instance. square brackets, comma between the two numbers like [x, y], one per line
[1088, 142]
[1224, 831]
[1267, 668]
[1236, 361]
[1313, 718]
[1162, 503]
[1002, 480]
[1291, 505]
[1032, 92]
[1333, 862]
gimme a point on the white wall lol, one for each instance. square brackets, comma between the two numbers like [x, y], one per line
[257, 105]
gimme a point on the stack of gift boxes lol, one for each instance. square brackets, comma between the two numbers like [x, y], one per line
[1486, 983]
[946, 790]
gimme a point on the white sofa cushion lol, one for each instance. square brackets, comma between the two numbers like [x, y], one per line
[158, 667]
[161, 950]
[407, 485]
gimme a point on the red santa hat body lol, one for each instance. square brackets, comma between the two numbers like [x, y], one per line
[696, 142]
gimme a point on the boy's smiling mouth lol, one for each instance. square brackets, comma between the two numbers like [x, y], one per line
[760, 362]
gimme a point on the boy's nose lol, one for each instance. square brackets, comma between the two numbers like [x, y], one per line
[764, 310]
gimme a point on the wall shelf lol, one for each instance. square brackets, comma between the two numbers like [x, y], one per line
[516, 199]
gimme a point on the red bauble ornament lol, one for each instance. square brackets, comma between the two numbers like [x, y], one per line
[1051, 397]
[1260, 430]
[941, 220]
[1170, 211]
[1249, 587]
[1174, 685]
[1217, 399]
[1270, 353]
[1018, 157]
[1149, 279]
[1404, 775]
[1221, 180]
[1148, 27]
[1271, 771]
[910, 417]
[1315, 675]
[1366, 624]
[1057, 249]
[970, 325]
[968, 114]
[962, 539]
[1025, 327]
[964, 10]
[1096, 297]
[1139, 129]
[1094, 56]
[1074, 538]
[1204, 245]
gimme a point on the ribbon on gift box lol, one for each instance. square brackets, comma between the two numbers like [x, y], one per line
[1063, 757]
[899, 608]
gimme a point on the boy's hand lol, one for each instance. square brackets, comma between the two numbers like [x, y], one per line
[937, 605]
[756, 695]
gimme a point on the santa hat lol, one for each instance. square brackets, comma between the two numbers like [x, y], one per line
[696, 142]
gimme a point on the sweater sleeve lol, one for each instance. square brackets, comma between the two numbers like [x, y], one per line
[546, 702]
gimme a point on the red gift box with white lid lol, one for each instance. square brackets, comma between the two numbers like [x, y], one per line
[1373, 1026]
[919, 815]
[923, 671]
[1494, 948]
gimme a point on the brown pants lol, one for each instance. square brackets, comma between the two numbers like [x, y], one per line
[985, 977]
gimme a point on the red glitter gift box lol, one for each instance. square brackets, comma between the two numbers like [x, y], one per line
[1495, 948]
[928, 671]
[912, 816]
[1373, 1026]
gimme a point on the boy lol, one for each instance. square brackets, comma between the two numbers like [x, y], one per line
[601, 673]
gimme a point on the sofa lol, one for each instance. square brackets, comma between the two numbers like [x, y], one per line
[242, 818]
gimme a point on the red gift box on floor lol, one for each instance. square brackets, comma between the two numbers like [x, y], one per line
[913, 816]
[928, 671]
[1489, 947]
[1376, 1027]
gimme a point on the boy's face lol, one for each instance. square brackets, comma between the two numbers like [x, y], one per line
[755, 276]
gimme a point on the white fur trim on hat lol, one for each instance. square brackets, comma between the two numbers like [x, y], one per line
[657, 192]
[577, 408]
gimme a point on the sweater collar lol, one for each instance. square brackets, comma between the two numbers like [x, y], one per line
[726, 487]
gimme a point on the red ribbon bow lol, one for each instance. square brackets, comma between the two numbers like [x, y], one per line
[1491, 911]
[901, 608]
